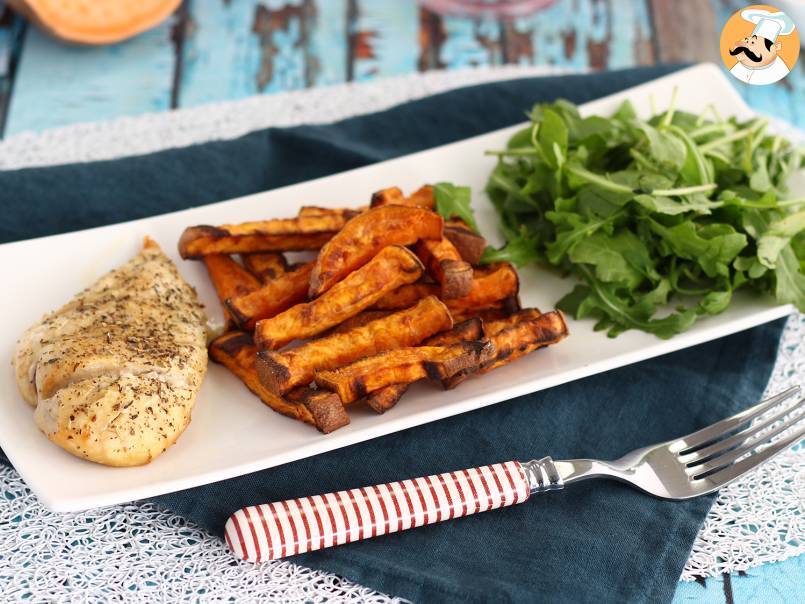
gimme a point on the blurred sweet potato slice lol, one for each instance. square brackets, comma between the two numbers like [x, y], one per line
[265, 266]
[501, 310]
[392, 267]
[282, 371]
[403, 366]
[446, 266]
[272, 298]
[236, 351]
[344, 213]
[277, 235]
[229, 278]
[365, 235]
[384, 399]
[422, 197]
[470, 245]
[515, 337]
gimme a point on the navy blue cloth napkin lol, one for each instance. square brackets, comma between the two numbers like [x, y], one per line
[593, 542]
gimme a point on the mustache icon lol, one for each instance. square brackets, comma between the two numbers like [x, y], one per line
[749, 54]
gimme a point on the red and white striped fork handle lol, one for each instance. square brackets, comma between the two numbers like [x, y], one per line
[295, 526]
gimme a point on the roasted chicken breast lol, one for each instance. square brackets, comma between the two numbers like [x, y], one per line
[115, 372]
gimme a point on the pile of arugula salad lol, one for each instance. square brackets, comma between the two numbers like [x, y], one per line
[678, 211]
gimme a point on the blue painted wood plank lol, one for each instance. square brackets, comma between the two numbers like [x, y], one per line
[593, 34]
[238, 49]
[471, 42]
[384, 38]
[58, 84]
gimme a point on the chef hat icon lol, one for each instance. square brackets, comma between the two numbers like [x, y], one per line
[768, 25]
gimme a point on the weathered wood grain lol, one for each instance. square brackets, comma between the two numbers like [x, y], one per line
[685, 31]
[57, 84]
[11, 30]
[382, 39]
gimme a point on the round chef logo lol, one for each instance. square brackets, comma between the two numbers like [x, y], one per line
[759, 45]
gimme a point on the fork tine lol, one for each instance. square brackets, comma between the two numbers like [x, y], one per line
[723, 446]
[730, 473]
[730, 456]
[707, 435]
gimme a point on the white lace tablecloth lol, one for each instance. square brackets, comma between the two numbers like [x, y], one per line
[116, 553]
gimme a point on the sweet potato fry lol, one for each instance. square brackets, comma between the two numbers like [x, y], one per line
[282, 371]
[236, 351]
[471, 329]
[384, 399]
[446, 266]
[365, 235]
[515, 337]
[277, 235]
[470, 245]
[402, 366]
[491, 286]
[345, 213]
[392, 267]
[265, 267]
[272, 298]
[490, 313]
[359, 320]
[229, 278]
[422, 197]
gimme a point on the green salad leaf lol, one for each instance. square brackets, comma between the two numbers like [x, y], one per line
[454, 202]
[659, 220]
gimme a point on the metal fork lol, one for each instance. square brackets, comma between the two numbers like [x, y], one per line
[696, 464]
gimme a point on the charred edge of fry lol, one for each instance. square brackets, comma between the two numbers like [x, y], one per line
[471, 329]
[456, 278]
[234, 350]
[475, 354]
[386, 196]
[484, 314]
[469, 244]
[325, 407]
[250, 243]
[384, 399]
[537, 331]
[512, 304]
[194, 233]
[265, 265]
[272, 372]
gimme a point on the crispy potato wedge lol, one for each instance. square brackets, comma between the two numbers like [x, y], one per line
[384, 399]
[282, 371]
[392, 267]
[422, 197]
[470, 245]
[446, 266]
[365, 235]
[266, 266]
[403, 366]
[229, 279]
[277, 235]
[272, 298]
[236, 351]
[515, 337]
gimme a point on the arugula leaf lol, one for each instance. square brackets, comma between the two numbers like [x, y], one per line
[454, 202]
[520, 250]
[648, 212]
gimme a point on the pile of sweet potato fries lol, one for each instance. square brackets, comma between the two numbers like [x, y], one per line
[394, 295]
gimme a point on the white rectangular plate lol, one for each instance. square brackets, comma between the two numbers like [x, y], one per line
[232, 433]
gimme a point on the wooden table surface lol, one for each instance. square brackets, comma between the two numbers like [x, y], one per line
[216, 50]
